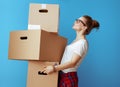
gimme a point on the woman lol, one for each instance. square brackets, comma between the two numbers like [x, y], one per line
[74, 53]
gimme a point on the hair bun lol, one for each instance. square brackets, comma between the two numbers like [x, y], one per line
[95, 24]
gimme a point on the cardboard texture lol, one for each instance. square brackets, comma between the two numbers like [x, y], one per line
[36, 45]
[45, 15]
[36, 79]
[40, 43]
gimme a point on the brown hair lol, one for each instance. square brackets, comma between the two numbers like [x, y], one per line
[90, 23]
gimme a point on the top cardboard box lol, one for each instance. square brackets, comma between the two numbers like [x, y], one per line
[45, 15]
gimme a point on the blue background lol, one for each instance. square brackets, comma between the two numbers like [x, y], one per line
[101, 66]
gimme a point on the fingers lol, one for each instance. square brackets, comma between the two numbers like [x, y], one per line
[45, 70]
[48, 69]
[42, 73]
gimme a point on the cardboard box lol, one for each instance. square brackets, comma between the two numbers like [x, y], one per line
[45, 15]
[37, 79]
[36, 45]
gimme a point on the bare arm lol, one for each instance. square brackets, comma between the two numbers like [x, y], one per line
[70, 64]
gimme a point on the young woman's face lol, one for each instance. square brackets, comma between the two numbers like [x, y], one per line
[79, 24]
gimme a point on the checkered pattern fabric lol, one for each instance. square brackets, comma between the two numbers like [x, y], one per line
[68, 79]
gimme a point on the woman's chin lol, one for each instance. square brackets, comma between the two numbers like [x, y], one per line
[73, 28]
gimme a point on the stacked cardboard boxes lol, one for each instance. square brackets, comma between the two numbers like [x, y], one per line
[40, 44]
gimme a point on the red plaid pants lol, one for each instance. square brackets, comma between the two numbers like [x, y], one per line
[68, 79]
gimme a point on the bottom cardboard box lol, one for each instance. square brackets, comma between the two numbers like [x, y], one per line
[38, 79]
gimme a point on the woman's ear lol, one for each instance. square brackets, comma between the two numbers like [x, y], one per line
[85, 27]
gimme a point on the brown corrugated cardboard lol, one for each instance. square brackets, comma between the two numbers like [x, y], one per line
[36, 79]
[36, 45]
[45, 15]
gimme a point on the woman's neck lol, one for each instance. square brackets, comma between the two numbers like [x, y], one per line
[80, 35]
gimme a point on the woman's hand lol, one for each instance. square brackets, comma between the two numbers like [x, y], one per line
[49, 69]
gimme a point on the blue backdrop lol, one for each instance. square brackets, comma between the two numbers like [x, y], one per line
[100, 68]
